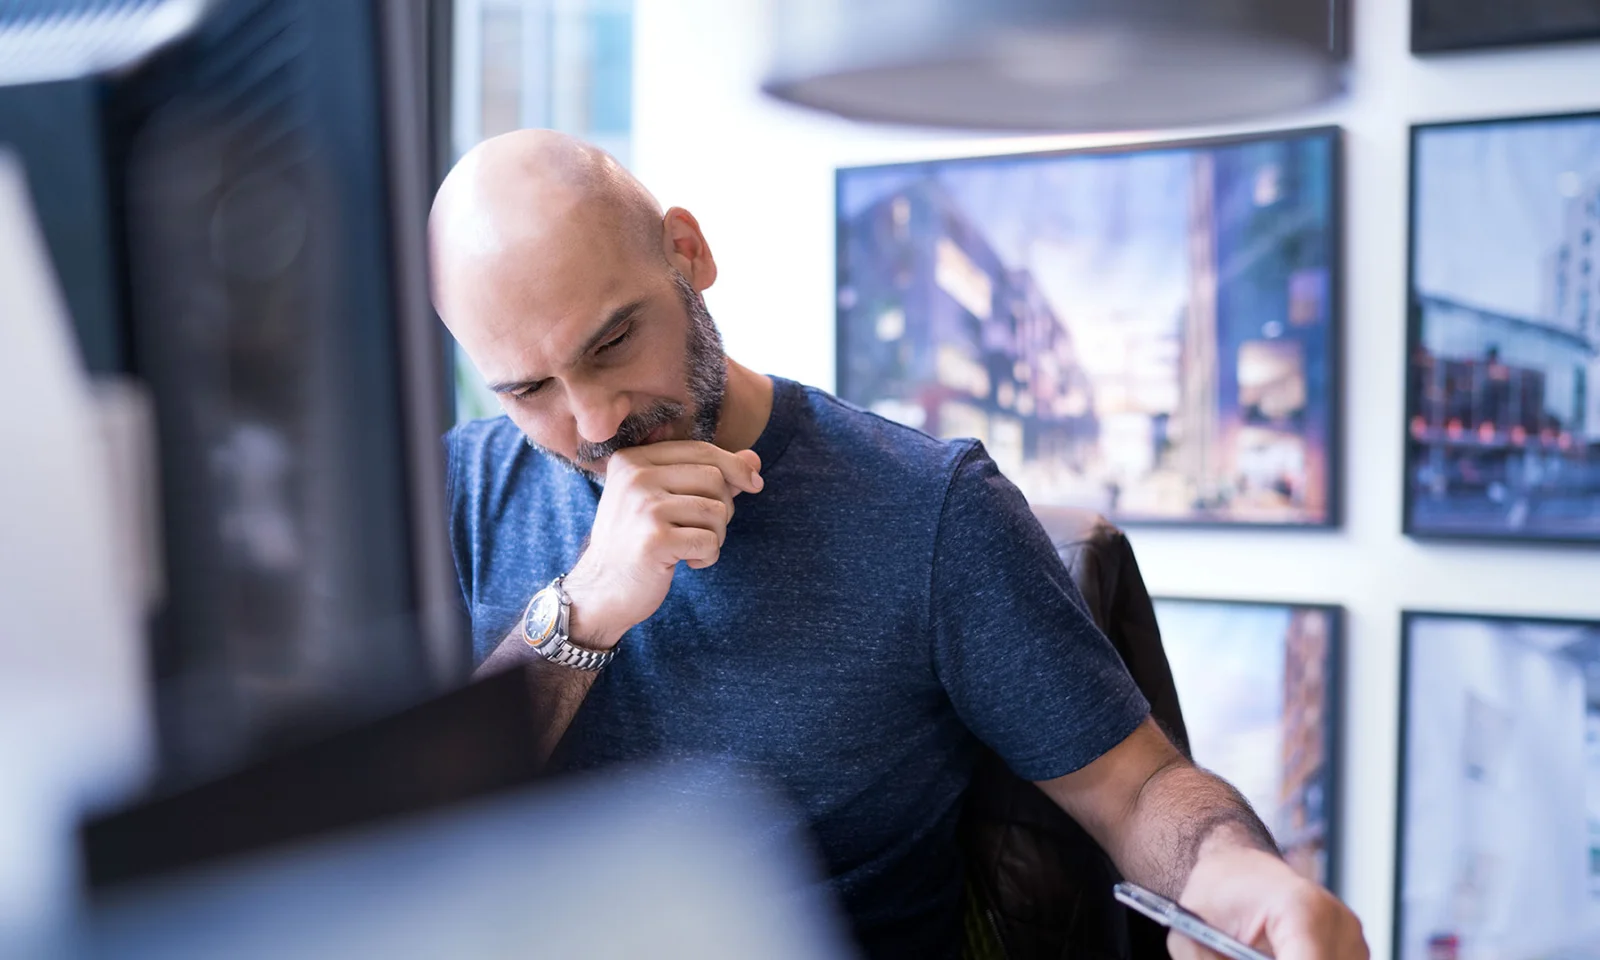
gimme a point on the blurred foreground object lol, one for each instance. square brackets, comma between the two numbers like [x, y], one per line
[642, 865]
[75, 730]
[462, 746]
[45, 40]
[1057, 65]
[252, 200]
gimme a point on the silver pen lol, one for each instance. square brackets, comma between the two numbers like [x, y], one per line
[1170, 915]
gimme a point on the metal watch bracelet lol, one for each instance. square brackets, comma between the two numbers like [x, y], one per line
[553, 643]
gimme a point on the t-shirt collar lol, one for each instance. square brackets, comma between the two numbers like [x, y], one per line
[787, 401]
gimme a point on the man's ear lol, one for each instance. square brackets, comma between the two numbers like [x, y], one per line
[686, 248]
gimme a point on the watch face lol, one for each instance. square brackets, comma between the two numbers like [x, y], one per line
[542, 614]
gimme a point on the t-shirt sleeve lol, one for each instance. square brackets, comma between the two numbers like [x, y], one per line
[1025, 667]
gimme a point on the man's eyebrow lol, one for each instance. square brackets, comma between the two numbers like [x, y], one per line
[618, 317]
[511, 386]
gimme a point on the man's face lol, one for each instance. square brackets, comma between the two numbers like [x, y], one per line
[590, 352]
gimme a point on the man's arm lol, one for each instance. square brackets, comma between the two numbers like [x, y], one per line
[1151, 809]
[663, 504]
[556, 691]
[1185, 833]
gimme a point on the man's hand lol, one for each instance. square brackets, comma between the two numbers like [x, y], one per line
[1188, 835]
[1257, 898]
[663, 502]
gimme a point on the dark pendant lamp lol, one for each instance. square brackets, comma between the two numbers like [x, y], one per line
[1056, 65]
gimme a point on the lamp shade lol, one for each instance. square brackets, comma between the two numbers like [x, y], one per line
[1056, 65]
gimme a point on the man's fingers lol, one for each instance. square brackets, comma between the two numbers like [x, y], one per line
[1323, 929]
[1183, 948]
[1356, 947]
[741, 470]
[694, 481]
[699, 547]
[1302, 948]
[1353, 945]
[703, 513]
[751, 460]
[689, 480]
[1328, 931]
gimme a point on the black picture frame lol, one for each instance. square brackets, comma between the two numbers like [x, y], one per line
[1445, 457]
[1407, 752]
[1329, 386]
[1439, 26]
[1329, 776]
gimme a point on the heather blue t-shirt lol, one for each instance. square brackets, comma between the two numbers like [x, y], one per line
[885, 605]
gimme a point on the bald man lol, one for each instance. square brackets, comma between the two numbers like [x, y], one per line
[710, 562]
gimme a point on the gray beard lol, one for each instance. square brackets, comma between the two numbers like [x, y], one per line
[706, 381]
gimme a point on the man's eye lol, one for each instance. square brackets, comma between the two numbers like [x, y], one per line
[525, 392]
[616, 341]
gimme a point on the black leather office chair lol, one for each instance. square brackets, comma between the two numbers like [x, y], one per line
[1038, 885]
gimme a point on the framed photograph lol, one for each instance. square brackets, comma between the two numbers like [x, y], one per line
[1469, 24]
[1258, 684]
[1149, 332]
[1503, 383]
[1498, 844]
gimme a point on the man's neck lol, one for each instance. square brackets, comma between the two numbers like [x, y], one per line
[746, 408]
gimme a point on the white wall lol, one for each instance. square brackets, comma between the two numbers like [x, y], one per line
[760, 178]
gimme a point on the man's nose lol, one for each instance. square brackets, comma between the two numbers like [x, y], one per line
[597, 411]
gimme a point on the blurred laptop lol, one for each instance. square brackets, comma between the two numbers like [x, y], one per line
[638, 865]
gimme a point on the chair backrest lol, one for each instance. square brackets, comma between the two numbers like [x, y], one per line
[1044, 882]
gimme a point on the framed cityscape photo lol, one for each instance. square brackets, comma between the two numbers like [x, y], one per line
[1258, 684]
[1149, 332]
[1503, 381]
[1438, 25]
[1498, 846]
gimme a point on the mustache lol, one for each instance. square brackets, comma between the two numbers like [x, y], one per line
[631, 432]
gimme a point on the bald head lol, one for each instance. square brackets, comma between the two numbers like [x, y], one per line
[527, 226]
[575, 296]
[529, 188]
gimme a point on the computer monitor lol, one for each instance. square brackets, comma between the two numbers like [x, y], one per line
[259, 190]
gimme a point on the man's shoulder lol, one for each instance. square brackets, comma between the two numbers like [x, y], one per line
[892, 450]
[954, 485]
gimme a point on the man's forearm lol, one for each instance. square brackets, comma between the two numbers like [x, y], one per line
[1185, 833]
[1178, 811]
[556, 691]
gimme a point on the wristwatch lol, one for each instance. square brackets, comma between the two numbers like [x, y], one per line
[544, 627]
